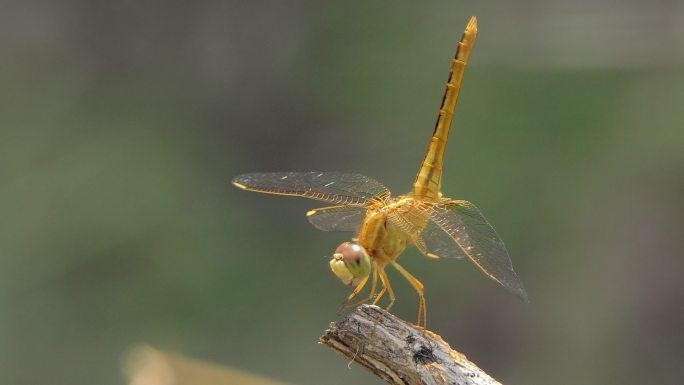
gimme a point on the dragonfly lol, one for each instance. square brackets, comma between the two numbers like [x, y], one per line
[439, 227]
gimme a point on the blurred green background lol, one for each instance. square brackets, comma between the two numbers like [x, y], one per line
[122, 123]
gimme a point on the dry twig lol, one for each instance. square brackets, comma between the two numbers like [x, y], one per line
[399, 352]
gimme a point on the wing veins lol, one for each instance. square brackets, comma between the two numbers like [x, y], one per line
[333, 187]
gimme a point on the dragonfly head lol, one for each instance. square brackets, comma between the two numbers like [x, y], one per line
[350, 263]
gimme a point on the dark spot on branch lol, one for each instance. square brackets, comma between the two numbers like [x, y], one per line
[424, 356]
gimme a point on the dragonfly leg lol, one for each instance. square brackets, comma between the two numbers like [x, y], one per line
[371, 294]
[420, 289]
[353, 294]
[386, 287]
[380, 294]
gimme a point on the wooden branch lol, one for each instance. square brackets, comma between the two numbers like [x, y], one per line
[399, 352]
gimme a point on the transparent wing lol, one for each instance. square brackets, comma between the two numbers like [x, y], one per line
[427, 236]
[337, 218]
[434, 242]
[460, 224]
[334, 187]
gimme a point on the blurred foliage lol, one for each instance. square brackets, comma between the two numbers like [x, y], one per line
[122, 124]
[144, 365]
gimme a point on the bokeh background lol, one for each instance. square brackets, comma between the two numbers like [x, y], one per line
[122, 123]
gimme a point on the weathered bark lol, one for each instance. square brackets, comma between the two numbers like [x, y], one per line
[399, 352]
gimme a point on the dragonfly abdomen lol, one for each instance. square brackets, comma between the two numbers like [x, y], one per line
[428, 180]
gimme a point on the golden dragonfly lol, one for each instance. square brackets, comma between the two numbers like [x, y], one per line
[385, 226]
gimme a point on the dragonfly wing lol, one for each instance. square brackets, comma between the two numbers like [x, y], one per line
[337, 218]
[438, 243]
[464, 227]
[333, 187]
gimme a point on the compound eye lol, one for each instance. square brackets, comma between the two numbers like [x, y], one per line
[350, 263]
[351, 252]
